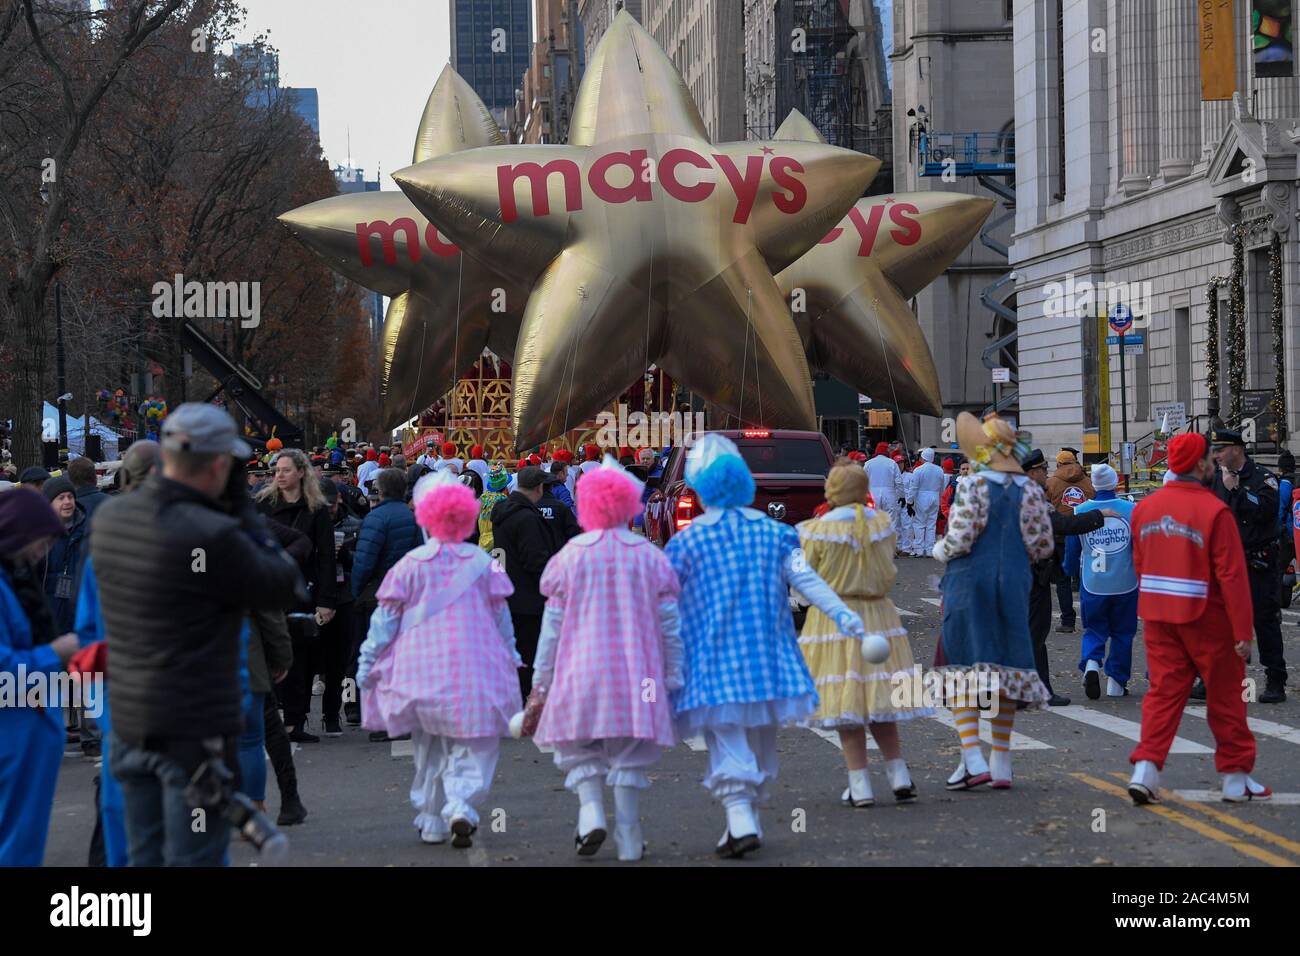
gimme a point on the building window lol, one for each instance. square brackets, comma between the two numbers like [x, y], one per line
[1181, 334]
[1271, 24]
[1060, 101]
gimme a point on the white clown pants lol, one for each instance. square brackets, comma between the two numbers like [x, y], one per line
[742, 761]
[452, 778]
[622, 761]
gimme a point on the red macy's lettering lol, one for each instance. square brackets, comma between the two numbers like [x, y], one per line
[386, 232]
[744, 184]
[906, 233]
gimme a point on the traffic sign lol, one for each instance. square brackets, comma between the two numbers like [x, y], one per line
[1130, 340]
[1121, 318]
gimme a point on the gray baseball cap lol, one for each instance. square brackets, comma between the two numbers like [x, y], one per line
[530, 477]
[202, 430]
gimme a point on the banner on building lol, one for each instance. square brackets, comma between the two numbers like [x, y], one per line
[1271, 42]
[1218, 59]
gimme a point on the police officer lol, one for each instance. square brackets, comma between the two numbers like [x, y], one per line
[1251, 493]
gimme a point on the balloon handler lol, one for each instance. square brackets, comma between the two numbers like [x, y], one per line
[1190, 563]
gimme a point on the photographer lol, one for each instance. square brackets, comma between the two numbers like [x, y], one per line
[178, 564]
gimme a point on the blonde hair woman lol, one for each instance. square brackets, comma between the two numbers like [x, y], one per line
[293, 497]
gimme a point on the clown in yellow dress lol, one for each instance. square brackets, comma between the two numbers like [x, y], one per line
[852, 548]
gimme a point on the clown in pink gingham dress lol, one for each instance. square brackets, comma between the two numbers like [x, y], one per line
[449, 672]
[609, 668]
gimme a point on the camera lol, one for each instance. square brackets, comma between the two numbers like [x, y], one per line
[210, 788]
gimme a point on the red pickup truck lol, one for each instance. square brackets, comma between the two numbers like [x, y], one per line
[789, 469]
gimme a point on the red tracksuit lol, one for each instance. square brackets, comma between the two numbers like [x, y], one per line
[1191, 567]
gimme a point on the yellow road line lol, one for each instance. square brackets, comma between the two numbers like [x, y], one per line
[1228, 819]
[1204, 829]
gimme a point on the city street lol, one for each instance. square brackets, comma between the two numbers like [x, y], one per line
[1068, 805]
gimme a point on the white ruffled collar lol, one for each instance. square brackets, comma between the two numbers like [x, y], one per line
[621, 535]
[429, 550]
[1002, 477]
[714, 515]
[847, 513]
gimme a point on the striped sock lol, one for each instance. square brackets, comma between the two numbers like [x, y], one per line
[968, 726]
[1002, 727]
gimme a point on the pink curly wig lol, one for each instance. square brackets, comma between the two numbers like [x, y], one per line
[608, 498]
[448, 512]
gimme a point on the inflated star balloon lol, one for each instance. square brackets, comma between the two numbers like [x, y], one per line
[849, 294]
[642, 242]
[446, 307]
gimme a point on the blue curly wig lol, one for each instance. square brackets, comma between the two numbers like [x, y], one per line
[725, 483]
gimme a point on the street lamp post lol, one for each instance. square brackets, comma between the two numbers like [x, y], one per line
[61, 372]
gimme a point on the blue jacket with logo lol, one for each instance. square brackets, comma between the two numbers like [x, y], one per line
[1104, 557]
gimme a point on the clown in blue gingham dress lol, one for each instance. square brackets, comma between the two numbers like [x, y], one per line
[743, 663]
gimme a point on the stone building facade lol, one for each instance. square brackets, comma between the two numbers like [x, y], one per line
[1131, 183]
[706, 41]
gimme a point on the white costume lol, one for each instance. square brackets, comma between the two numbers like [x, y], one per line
[479, 466]
[366, 474]
[907, 524]
[930, 482]
[882, 474]
[454, 464]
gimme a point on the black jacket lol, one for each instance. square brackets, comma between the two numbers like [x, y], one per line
[176, 576]
[1063, 526]
[1255, 506]
[560, 520]
[521, 532]
[318, 526]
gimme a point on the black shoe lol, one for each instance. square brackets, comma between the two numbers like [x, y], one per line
[1198, 690]
[95, 751]
[332, 728]
[462, 833]
[1058, 701]
[299, 735]
[379, 737]
[1064, 628]
[1092, 684]
[292, 812]
[733, 848]
[1274, 691]
[352, 714]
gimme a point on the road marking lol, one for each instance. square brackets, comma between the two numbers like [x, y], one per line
[1216, 796]
[1018, 740]
[937, 602]
[1258, 725]
[904, 612]
[1227, 819]
[402, 748]
[1129, 729]
[1191, 823]
[833, 738]
[696, 743]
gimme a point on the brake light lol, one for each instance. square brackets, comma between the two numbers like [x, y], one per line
[871, 501]
[755, 433]
[686, 510]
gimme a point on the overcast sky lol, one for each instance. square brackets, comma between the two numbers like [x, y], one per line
[372, 62]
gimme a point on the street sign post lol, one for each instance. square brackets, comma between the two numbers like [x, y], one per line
[1121, 320]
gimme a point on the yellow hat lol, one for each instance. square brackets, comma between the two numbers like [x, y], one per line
[847, 484]
[990, 443]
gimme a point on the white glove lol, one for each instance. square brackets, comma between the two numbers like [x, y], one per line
[939, 554]
[850, 624]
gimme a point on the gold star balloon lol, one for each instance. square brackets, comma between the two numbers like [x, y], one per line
[848, 295]
[642, 242]
[446, 307]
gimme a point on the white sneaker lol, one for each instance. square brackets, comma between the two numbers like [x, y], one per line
[859, 792]
[1000, 768]
[900, 781]
[1241, 788]
[1145, 785]
[435, 833]
[1115, 689]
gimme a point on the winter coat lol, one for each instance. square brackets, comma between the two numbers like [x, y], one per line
[387, 534]
[522, 533]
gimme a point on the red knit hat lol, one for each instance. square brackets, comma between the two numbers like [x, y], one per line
[948, 466]
[523, 463]
[476, 451]
[899, 459]
[1185, 451]
[384, 461]
[563, 455]
[534, 459]
[882, 448]
[371, 454]
[591, 452]
[448, 449]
